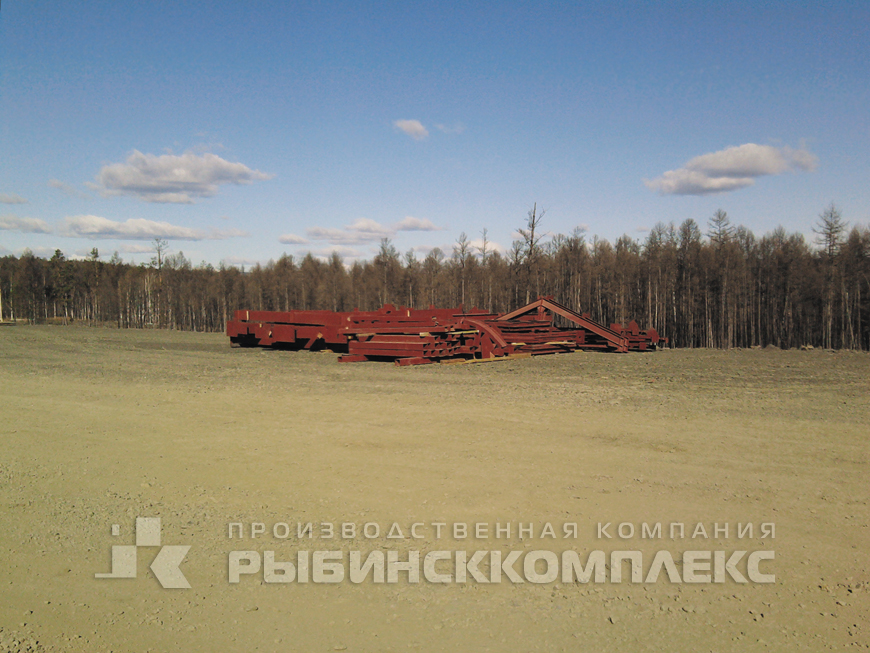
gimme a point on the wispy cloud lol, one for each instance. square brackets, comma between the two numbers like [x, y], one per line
[365, 230]
[731, 169]
[25, 225]
[370, 229]
[342, 250]
[239, 261]
[223, 234]
[292, 239]
[413, 128]
[93, 226]
[136, 249]
[491, 246]
[410, 223]
[39, 252]
[453, 130]
[65, 188]
[11, 198]
[170, 178]
[362, 230]
[423, 250]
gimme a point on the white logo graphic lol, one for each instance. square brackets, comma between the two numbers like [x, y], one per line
[165, 565]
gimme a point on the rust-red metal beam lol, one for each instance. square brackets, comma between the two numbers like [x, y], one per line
[416, 336]
[618, 341]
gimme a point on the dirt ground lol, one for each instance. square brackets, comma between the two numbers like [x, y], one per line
[100, 426]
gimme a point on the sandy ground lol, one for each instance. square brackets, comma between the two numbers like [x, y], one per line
[99, 427]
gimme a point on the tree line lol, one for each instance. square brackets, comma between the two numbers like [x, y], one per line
[718, 287]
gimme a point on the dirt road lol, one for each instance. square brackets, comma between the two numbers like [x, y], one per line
[100, 426]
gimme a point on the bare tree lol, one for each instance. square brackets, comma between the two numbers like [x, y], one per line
[729, 290]
[461, 252]
[829, 230]
[531, 239]
[387, 261]
[721, 233]
[484, 258]
[156, 282]
[483, 249]
[721, 230]
[160, 248]
[412, 271]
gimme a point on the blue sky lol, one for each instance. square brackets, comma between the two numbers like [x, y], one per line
[241, 131]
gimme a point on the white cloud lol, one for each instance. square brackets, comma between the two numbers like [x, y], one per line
[93, 226]
[411, 223]
[370, 229]
[691, 182]
[11, 198]
[365, 230]
[751, 160]
[171, 178]
[731, 169]
[413, 128]
[641, 230]
[292, 239]
[334, 235]
[25, 225]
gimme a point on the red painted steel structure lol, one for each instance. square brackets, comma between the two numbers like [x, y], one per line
[414, 337]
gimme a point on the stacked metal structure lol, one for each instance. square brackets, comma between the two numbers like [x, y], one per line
[414, 337]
